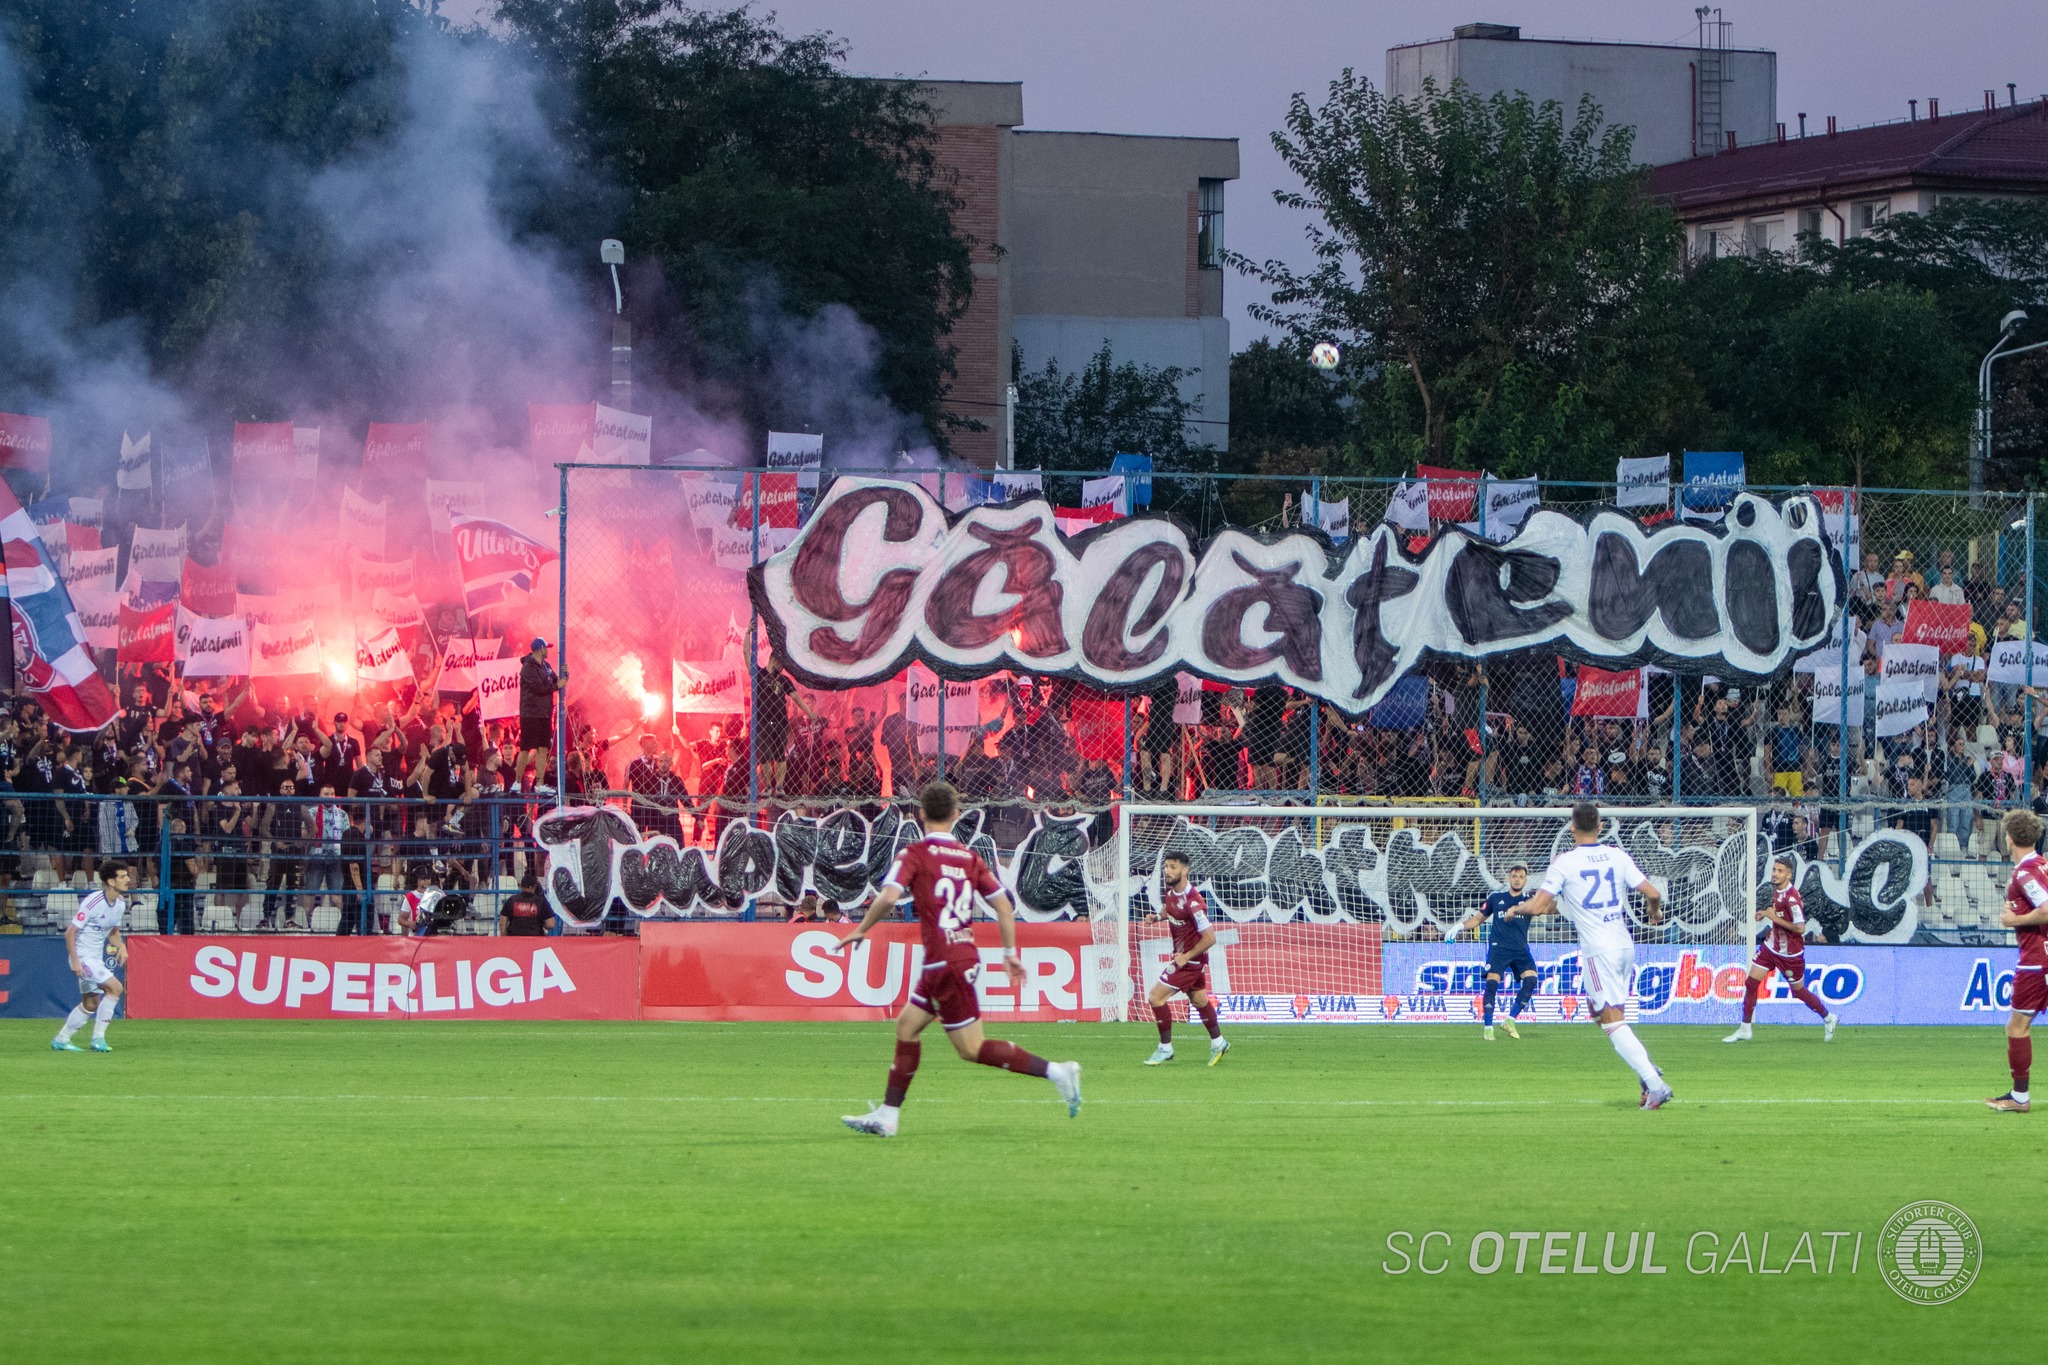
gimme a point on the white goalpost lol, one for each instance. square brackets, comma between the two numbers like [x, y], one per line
[1303, 898]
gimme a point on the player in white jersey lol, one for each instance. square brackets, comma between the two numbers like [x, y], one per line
[1589, 885]
[92, 937]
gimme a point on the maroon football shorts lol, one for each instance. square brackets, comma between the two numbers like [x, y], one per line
[947, 990]
[1188, 979]
[2030, 991]
[1791, 967]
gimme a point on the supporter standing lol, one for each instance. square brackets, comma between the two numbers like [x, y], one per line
[538, 684]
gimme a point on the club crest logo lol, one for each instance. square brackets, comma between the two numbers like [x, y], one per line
[1568, 1006]
[1929, 1252]
[1390, 1006]
[1301, 1007]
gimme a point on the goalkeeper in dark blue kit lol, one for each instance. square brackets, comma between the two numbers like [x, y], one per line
[1507, 951]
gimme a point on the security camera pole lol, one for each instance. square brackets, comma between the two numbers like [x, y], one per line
[613, 253]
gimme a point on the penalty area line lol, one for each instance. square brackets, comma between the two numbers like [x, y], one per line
[940, 1099]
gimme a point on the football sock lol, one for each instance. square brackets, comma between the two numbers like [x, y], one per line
[73, 1022]
[1524, 993]
[2019, 1055]
[1486, 1010]
[1010, 1057]
[900, 1071]
[1632, 1051]
[1750, 990]
[101, 1015]
[1163, 1016]
[1208, 1013]
[1809, 999]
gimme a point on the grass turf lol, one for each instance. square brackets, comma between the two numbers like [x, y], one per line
[635, 1192]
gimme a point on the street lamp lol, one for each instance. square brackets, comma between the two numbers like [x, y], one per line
[1980, 456]
[612, 252]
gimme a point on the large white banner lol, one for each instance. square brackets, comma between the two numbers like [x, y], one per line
[459, 661]
[212, 646]
[497, 688]
[1408, 508]
[447, 498]
[963, 711]
[369, 576]
[99, 615]
[382, 658]
[880, 577]
[362, 522]
[157, 556]
[622, 437]
[1918, 664]
[718, 688]
[1827, 696]
[1643, 483]
[1508, 504]
[91, 570]
[285, 650]
[2009, 663]
[711, 499]
[1900, 707]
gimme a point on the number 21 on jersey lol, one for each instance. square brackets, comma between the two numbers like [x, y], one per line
[1594, 877]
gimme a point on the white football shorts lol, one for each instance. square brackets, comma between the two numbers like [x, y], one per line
[96, 973]
[1605, 977]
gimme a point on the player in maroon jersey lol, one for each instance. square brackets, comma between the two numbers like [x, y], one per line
[2026, 912]
[941, 876]
[1783, 951]
[1187, 972]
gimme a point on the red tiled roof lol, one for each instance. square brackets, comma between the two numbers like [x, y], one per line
[2006, 148]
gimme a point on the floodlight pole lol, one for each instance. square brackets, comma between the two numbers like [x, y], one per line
[1980, 450]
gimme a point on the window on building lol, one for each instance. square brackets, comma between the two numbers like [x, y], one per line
[1209, 224]
[1760, 237]
[1809, 222]
[1871, 214]
[1716, 242]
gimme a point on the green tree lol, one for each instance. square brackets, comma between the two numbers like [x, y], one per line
[1083, 419]
[1493, 272]
[765, 182]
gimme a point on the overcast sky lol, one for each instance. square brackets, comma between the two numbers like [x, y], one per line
[1225, 68]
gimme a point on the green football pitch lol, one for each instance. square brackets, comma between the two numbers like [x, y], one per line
[636, 1192]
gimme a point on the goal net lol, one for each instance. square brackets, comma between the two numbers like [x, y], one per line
[1309, 902]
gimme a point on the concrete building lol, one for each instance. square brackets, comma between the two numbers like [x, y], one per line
[1840, 184]
[1682, 101]
[1082, 239]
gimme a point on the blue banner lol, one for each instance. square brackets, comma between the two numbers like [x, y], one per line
[1137, 472]
[1404, 708]
[35, 977]
[1712, 479]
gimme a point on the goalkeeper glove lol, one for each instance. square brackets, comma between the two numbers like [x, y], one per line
[1451, 934]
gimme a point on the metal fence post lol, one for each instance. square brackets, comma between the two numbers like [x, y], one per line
[1849, 511]
[168, 917]
[941, 680]
[1127, 747]
[1484, 748]
[754, 669]
[562, 647]
[2027, 708]
[1315, 703]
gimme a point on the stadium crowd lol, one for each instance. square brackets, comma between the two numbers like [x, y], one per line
[290, 803]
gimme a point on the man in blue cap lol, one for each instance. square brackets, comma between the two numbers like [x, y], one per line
[538, 684]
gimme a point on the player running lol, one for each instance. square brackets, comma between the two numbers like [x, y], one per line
[1507, 949]
[93, 936]
[941, 876]
[2026, 910]
[1187, 916]
[1783, 951]
[1589, 885]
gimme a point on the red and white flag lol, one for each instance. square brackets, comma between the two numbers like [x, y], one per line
[287, 650]
[494, 559]
[1601, 693]
[208, 589]
[459, 661]
[497, 689]
[50, 655]
[25, 443]
[396, 448]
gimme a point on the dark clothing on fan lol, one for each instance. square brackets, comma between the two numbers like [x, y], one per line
[525, 916]
[537, 687]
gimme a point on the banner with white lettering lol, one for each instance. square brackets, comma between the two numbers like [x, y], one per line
[881, 576]
[212, 646]
[717, 688]
[286, 650]
[395, 448]
[495, 560]
[497, 689]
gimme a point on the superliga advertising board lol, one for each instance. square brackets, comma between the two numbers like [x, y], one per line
[1702, 984]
